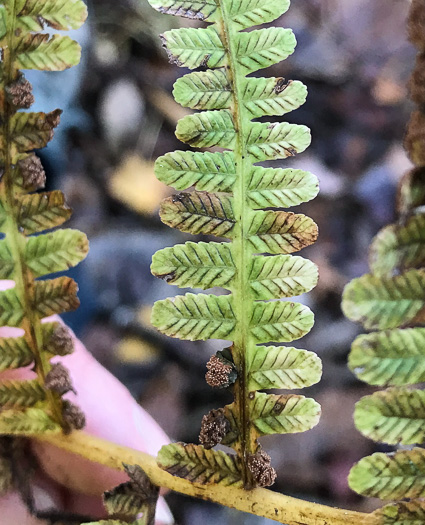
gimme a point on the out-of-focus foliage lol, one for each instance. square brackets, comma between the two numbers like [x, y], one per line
[36, 405]
[391, 299]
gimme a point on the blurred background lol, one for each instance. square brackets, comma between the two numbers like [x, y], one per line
[119, 116]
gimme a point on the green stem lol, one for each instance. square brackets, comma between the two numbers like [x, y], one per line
[241, 297]
[23, 277]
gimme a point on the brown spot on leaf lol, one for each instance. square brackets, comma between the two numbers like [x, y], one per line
[281, 85]
[205, 60]
[172, 58]
[185, 13]
[167, 277]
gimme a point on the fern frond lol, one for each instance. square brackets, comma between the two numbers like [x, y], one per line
[391, 298]
[231, 200]
[32, 407]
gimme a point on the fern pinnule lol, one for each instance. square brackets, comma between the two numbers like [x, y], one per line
[26, 254]
[228, 195]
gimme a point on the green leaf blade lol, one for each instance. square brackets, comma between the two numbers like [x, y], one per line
[277, 140]
[192, 48]
[280, 232]
[287, 414]
[282, 367]
[207, 129]
[206, 171]
[7, 264]
[59, 14]
[11, 309]
[55, 296]
[262, 48]
[198, 265]
[15, 394]
[195, 10]
[392, 416]
[282, 276]
[390, 476]
[40, 52]
[281, 188]
[247, 13]
[199, 213]
[14, 353]
[401, 513]
[33, 130]
[272, 96]
[198, 465]
[27, 422]
[204, 90]
[392, 358]
[195, 317]
[384, 303]
[397, 248]
[55, 252]
[280, 322]
[42, 211]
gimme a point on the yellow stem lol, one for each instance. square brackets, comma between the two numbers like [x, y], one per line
[261, 502]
